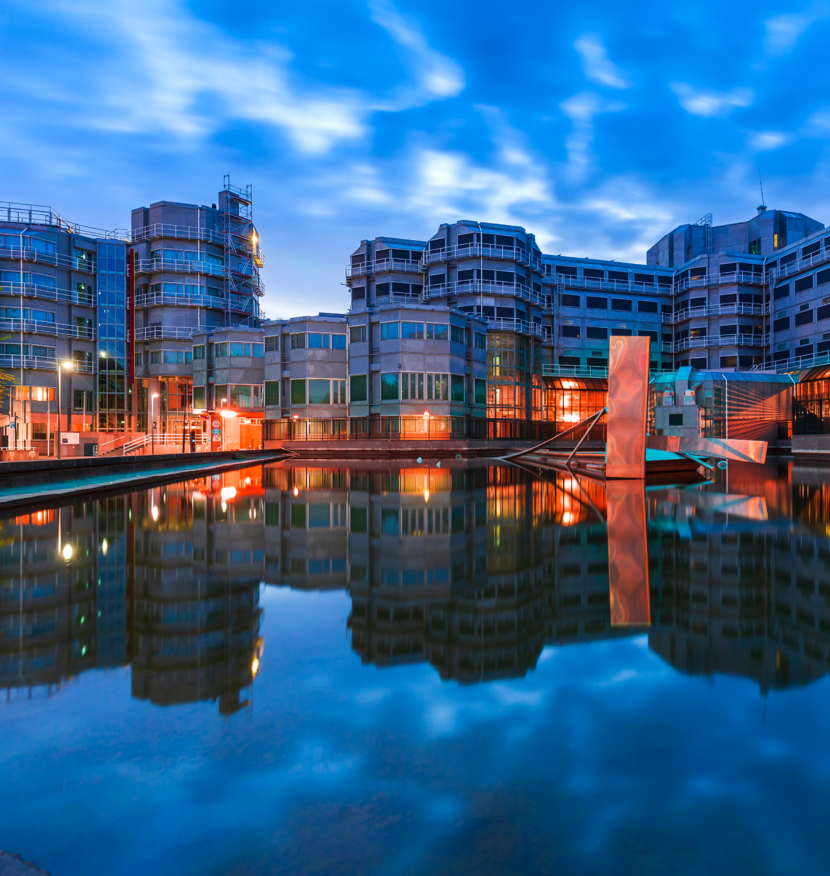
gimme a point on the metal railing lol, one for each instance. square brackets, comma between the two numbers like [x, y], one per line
[801, 264]
[38, 214]
[517, 325]
[179, 333]
[152, 441]
[169, 299]
[56, 329]
[715, 341]
[794, 363]
[176, 232]
[713, 310]
[398, 266]
[44, 363]
[158, 266]
[589, 284]
[65, 296]
[574, 371]
[744, 278]
[480, 250]
[481, 287]
[53, 259]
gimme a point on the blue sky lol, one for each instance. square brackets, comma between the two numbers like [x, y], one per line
[597, 126]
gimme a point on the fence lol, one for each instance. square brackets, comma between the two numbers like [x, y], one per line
[408, 429]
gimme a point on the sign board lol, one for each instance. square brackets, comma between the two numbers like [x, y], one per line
[70, 437]
[216, 433]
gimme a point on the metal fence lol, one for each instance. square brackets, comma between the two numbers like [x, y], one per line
[407, 429]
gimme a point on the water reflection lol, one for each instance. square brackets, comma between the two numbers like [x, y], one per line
[472, 568]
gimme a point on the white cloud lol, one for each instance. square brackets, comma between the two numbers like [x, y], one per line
[596, 64]
[175, 74]
[765, 141]
[581, 109]
[782, 32]
[437, 75]
[711, 103]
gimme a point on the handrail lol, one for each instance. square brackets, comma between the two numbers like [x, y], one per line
[573, 371]
[713, 310]
[53, 259]
[719, 341]
[591, 284]
[161, 438]
[55, 329]
[152, 332]
[800, 263]
[40, 214]
[747, 278]
[401, 266]
[158, 266]
[65, 296]
[177, 232]
[480, 250]
[482, 287]
[45, 363]
[159, 299]
[794, 363]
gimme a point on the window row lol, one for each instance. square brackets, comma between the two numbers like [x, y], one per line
[600, 333]
[165, 357]
[34, 315]
[28, 350]
[237, 349]
[29, 279]
[314, 391]
[31, 243]
[416, 331]
[622, 304]
[395, 386]
[317, 341]
[176, 255]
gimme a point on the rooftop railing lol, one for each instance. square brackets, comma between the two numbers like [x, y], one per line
[38, 214]
[485, 251]
[398, 266]
[168, 332]
[176, 232]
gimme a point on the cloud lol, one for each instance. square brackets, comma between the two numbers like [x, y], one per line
[765, 141]
[438, 76]
[596, 64]
[176, 74]
[711, 103]
[782, 32]
[581, 109]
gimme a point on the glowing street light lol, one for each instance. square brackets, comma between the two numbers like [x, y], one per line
[66, 365]
[67, 552]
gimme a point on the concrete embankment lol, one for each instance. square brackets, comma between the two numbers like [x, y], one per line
[378, 448]
[46, 482]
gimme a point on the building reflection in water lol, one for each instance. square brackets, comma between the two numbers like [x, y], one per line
[471, 567]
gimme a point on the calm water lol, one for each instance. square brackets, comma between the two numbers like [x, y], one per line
[386, 669]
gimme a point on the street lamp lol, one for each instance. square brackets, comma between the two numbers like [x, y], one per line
[153, 397]
[225, 415]
[68, 364]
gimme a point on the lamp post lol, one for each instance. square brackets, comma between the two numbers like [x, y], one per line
[221, 405]
[153, 397]
[68, 365]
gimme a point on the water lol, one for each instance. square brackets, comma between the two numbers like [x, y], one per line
[396, 669]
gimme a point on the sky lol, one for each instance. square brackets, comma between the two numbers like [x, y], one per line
[597, 126]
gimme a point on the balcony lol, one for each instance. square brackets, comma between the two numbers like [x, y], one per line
[55, 329]
[160, 231]
[801, 264]
[478, 250]
[480, 287]
[38, 214]
[519, 326]
[165, 299]
[588, 284]
[742, 278]
[713, 310]
[47, 293]
[397, 266]
[53, 259]
[715, 341]
[169, 332]
[574, 371]
[44, 363]
[158, 266]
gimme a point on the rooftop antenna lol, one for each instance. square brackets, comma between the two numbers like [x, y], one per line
[762, 205]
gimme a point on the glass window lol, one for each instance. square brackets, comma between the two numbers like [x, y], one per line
[221, 350]
[238, 349]
[457, 388]
[315, 341]
[358, 387]
[298, 392]
[357, 334]
[457, 334]
[388, 330]
[412, 330]
[437, 332]
[298, 342]
[319, 391]
[257, 350]
[389, 383]
[480, 341]
[338, 342]
[480, 391]
[155, 357]
[241, 396]
[389, 520]
[199, 351]
[338, 389]
[138, 360]
[199, 396]
[272, 343]
[272, 392]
